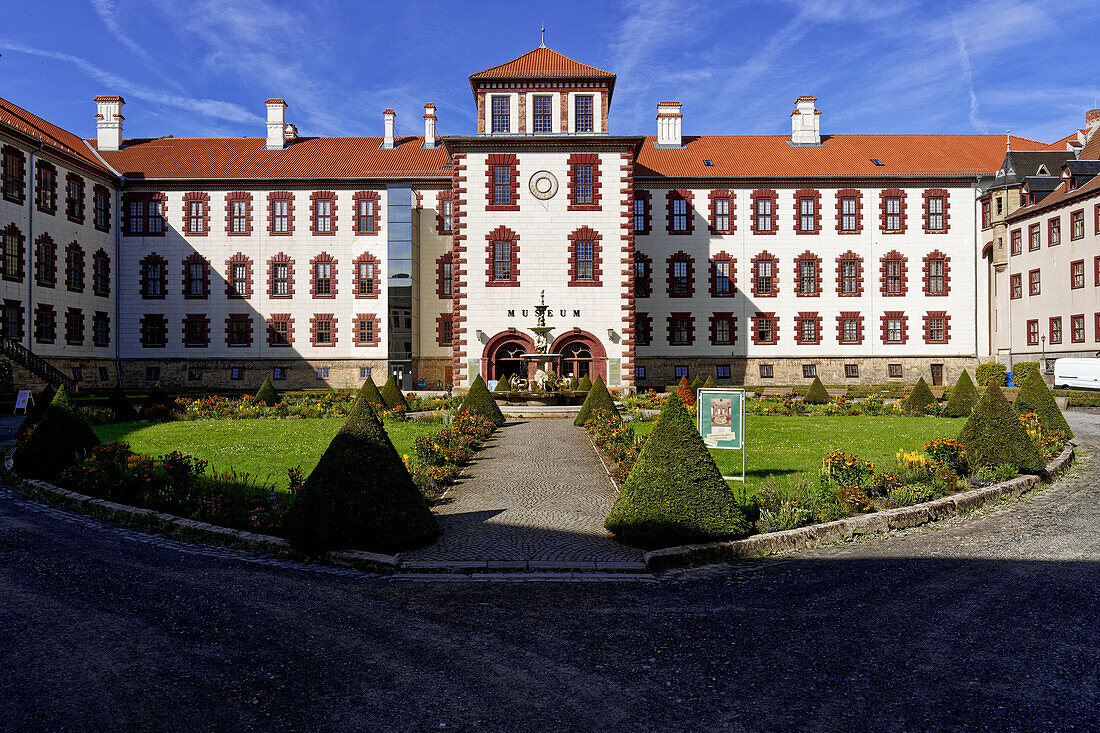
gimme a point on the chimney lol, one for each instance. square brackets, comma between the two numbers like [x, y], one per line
[108, 121]
[276, 124]
[429, 126]
[805, 122]
[1092, 118]
[390, 118]
[668, 125]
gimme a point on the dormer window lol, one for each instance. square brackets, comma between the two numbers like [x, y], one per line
[543, 114]
[501, 114]
[583, 121]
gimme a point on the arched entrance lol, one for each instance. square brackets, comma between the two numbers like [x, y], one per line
[582, 354]
[501, 357]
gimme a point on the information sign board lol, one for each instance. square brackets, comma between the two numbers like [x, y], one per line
[720, 414]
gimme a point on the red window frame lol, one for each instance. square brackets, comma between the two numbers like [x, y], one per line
[372, 284]
[202, 321]
[945, 274]
[273, 334]
[510, 187]
[45, 187]
[1034, 241]
[758, 321]
[324, 258]
[582, 167]
[931, 316]
[280, 258]
[764, 194]
[813, 197]
[1077, 225]
[45, 261]
[688, 322]
[318, 201]
[885, 323]
[366, 220]
[761, 258]
[1016, 286]
[673, 199]
[244, 198]
[716, 196]
[815, 262]
[1054, 327]
[1034, 283]
[238, 322]
[853, 316]
[1077, 328]
[444, 220]
[14, 175]
[853, 194]
[1054, 231]
[74, 198]
[689, 275]
[852, 257]
[203, 201]
[315, 329]
[502, 234]
[74, 267]
[893, 257]
[577, 242]
[885, 196]
[645, 198]
[716, 320]
[804, 318]
[357, 329]
[240, 259]
[1077, 274]
[945, 204]
[731, 276]
[1016, 242]
[203, 279]
[643, 287]
[274, 198]
[1033, 332]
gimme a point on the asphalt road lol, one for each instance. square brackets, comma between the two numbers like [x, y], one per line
[986, 623]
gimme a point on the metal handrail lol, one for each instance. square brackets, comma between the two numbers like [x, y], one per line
[35, 363]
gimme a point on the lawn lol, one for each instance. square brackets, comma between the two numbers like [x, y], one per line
[262, 448]
[785, 446]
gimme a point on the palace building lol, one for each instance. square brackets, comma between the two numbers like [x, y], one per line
[217, 262]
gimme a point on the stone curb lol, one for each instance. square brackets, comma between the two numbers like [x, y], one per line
[842, 529]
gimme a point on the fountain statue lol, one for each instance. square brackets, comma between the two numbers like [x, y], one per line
[546, 374]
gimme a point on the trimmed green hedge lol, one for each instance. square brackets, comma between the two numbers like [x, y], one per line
[919, 398]
[994, 435]
[369, 392]
[598, 398]
[675, 493]
[991, 372]
[1035, 396]
[58, 441]
[479, 400]
[710, 382]
[816, 394]
[585, 384]
[119, 404]
[963, 397]
[391, 395]
[267, 394]
[157, 397]
[696, 384]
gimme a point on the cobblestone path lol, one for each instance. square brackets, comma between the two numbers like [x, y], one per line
[537, 492]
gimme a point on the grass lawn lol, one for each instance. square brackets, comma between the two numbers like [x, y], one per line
[261, 448]
[784, 446]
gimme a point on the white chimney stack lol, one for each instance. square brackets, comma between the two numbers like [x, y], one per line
[429, 125]
[805, 121]
[108, 121]
[668, 125]
[276, 124]
[390, 118]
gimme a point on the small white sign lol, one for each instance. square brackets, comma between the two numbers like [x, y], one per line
[22, 399]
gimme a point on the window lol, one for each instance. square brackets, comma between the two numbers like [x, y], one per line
[851, 371]
[45, 188]
[280, 216]
[987, 219]
[322, 215]
[154, 330]
[365, 274]
[1054, 232]
[278, 373]
[583, 120]
[101, 208]
[807, 329]
[196, 331]
[807, 276]
[894, 330]
[936, 328]
[280, 278]
[893, 371]
[721, 212]
[196, 217]
[1017, 286]
[238, 330]
[1000, 206]
[764, 214]
[680, 330]
[723, 371]
[101, 273]
[14, 171]
[74, 199]
[849, 208]
[445, 276]
[446, 330]
[679, 214]
[766, 371]
[765, 330]
[809, 371]
[1077, 224]
[364, 372]
[196, 277]
[1077, 328]
[238, 279]
[1056, 330]
[1096, 270]
[642, 276]
[722, 274]
[323, 332]
[240, 211]
[893, 273]
[934, 217]
[643, 329]
[501, 114]
[724, 329]
[849, 276]
[502, 255]
[144, 215]
[104, 375]
[74, 268]
[236, 373]
[152, 374]
[764, 277]
[323, 276]
[935, 269]
[502, 184]
[1033, 282]
[1033, 332]
[893, 214]
[45, 262]
[583, 262]
[582, 184]
[806, 208]
[1016, 242]
[502, 261]
[639, 215]
[639, 372]
[679, 276]
[101, 332]
[680, 371]
[13, 254]
[446, 215]
[543, 114]
[1032, 238]
[1077, 274]
[278, 330]
[849, 330]
[13, 319]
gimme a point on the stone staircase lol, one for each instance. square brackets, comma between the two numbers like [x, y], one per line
[21, 355]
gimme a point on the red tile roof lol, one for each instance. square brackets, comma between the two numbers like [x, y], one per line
[1058, 197]
[540, 62]
[34, 126]
[1091, 151]
[305, 157]
[838, 155]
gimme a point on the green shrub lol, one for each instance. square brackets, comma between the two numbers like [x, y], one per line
[675, 493]
[994, 435]
[119, 405]
[585, 384]
[598, 398]
[574, 385]
[963, 397]
[369, 392]
[391, 395]
[157, 398]
[816, 394]
[480, 401]
[1035, 396]
[710, 382]
[991, 372]
[919, 398]
[360, 495]
[696, 384]
[42, 401]
[58, 441]
[267, 394]
[1021, 370]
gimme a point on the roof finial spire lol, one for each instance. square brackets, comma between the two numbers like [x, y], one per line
[542, 43]
[1008, 141]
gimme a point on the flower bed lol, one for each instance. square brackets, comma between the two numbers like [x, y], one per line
[440, 455]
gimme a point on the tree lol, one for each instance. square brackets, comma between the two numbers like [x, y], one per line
[710, 382]
[675, 493]
[1036, 397]
[963, 397]
[479, 400]
[360, 495]
[816, 394]
[994, 435]
[58, 441]
[392, 396]
[369, 392]
[598, 398]
[267, 394]
[696, 384]
[919, 398]
[685, 392]
[585, 384]
[120, 405]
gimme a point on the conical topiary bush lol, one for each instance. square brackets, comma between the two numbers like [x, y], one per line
[58, 441]
[120, 405]
[585, 384]
[816, 394]
[360, 495]
[42, 401]
[479, 400]
[696, 384]
[685, 392]
[391, 395]
[964, 395]
[157, 397]
[675, 493]
[598, 399]
[710, 382]
[994, 435]
[573, 383]
[369, 392]
[267, 394]
[919, 398]
[1036, 397]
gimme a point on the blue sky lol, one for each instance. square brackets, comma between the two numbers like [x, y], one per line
[204, 67]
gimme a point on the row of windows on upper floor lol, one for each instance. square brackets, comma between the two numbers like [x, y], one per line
[1034, 286]
[1054, 231]
[45, 324]
[1054, 329]
[767, 371]
[764, 328]
[14, 187]
[366, 330]
[542, 113]
[13, 257]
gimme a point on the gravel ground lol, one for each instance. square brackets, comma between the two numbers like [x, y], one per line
[990, 622]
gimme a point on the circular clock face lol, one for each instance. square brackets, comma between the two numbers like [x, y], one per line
[543, 185]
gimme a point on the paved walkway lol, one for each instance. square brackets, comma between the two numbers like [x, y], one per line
[538, 492]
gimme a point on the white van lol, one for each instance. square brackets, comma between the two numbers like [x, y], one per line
[1077, 373]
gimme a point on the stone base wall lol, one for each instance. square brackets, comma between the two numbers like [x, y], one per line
[14, 377]
[433, 370]
[660, 372]
[217, 373]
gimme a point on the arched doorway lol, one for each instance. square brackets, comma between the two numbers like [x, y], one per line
[576, 360]
[582, 353]
[500, 358]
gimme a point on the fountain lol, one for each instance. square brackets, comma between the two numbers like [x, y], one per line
[546, 386]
